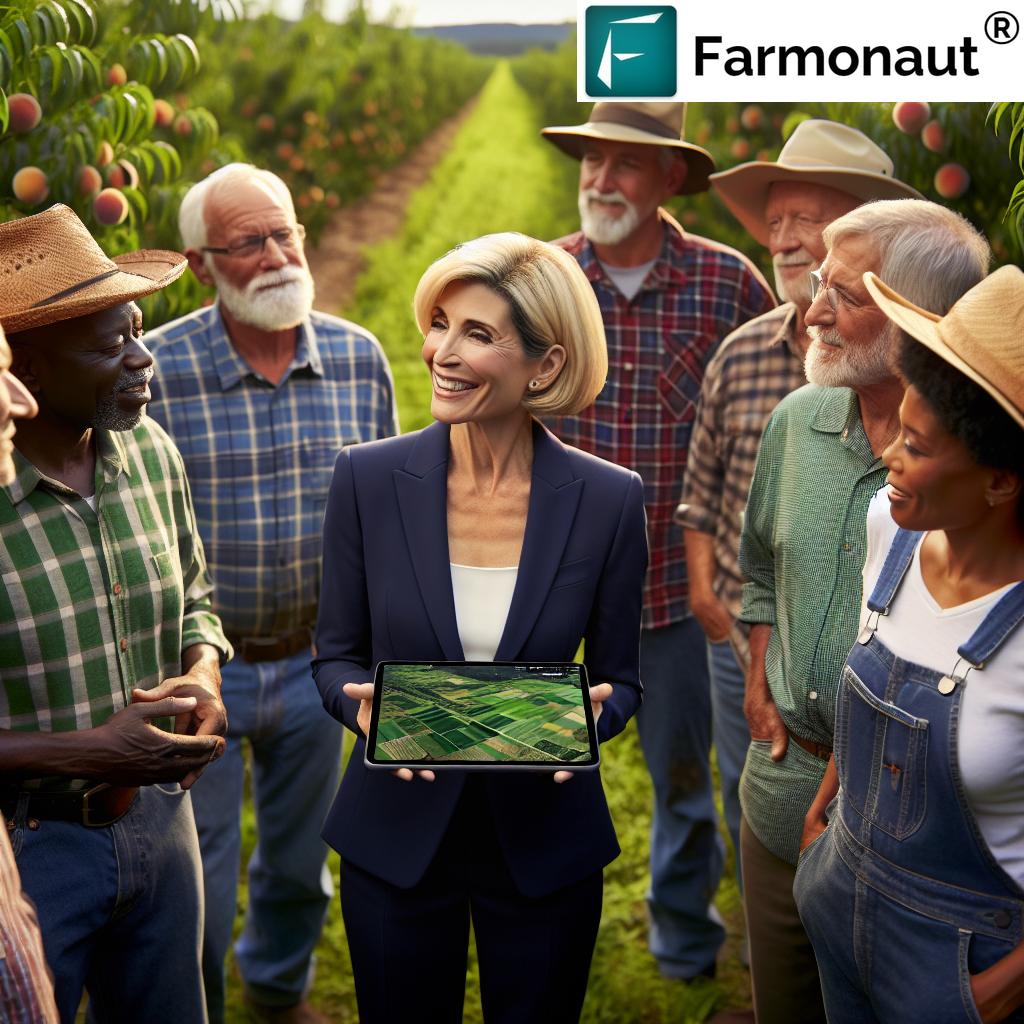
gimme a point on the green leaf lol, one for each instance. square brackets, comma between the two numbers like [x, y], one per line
[192, 50]
[4, 113]
[59, 19]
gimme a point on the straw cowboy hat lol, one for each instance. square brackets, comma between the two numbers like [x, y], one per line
[52, 269]
[817, 153]
[980, 336]
[649, 124]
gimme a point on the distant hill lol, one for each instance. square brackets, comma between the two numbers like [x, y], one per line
[503, 39]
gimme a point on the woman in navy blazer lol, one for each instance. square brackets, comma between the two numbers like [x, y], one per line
[512, 330]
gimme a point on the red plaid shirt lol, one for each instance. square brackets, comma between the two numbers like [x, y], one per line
[696, 293]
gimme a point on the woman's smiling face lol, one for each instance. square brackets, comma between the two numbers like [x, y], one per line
[934, 483]
[479, 369]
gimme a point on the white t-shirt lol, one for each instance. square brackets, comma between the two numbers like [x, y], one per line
[629, 279]
[482, 600]
[991, 733]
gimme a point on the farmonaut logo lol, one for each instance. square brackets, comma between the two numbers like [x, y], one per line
[630, 51]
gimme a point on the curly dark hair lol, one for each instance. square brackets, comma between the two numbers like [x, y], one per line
[992, 436]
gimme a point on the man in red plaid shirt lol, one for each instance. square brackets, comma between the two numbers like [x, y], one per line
[667, 299]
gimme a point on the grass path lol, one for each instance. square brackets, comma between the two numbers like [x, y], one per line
[499, 175]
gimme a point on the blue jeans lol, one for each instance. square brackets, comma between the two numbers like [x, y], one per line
[121, 910]
[296, 751]
[732, 736]
[687, 852]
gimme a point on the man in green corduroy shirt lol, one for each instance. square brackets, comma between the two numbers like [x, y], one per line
[803, 549]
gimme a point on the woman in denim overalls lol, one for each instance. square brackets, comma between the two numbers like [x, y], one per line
[912, 896]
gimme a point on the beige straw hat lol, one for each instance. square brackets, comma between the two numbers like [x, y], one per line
[817, 153]
[52, 269]
[649, 124]
[982, 335]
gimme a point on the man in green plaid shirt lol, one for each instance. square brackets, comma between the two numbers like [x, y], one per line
[109, 651]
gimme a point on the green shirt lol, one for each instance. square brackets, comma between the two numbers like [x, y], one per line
[96, 603]
[802, 552]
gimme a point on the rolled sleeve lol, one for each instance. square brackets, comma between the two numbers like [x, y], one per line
[701, 504]
[757, 557]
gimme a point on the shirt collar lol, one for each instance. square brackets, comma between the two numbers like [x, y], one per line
[838, 412]
[111, 461]
[667, 271]
[232, 368]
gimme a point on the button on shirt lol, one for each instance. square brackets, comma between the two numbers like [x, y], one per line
[658, 345]
[94, 603]
[802, 551]
[260, 456]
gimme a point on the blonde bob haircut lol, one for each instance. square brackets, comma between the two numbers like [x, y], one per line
[551, 303]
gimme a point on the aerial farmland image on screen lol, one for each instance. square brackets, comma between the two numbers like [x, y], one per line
[446, 713]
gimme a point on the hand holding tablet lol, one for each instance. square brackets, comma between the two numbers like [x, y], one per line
[482, 716]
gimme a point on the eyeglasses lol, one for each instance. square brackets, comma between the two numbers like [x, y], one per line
[833, 296]
[251, 245]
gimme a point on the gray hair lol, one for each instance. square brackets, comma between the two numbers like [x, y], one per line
[929, 254]
[192, 213]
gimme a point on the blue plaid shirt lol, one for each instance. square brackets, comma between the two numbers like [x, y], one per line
[260, 456]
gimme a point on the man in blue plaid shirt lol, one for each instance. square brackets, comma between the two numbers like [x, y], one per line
[667, 298]
[260, 393]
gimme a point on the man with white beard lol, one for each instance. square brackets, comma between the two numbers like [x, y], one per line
[802, 551]
[824, 170]
[260, 392]
[667, 298]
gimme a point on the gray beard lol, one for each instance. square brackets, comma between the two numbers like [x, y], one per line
[109, 415]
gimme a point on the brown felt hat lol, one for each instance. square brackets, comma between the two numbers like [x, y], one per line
[649, 124]
[52, 269]
[981, 335]
[817, 153]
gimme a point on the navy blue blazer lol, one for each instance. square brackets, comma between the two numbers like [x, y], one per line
[387, 595]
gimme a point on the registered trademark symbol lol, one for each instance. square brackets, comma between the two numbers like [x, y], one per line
[1001, 27]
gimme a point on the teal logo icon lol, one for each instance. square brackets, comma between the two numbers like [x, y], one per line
[630, 51]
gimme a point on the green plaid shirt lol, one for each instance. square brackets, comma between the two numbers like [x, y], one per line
[96, 603]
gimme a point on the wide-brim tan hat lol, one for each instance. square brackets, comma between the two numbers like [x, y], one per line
[982, 335]
[52, 269]
[647, 124]
[817, 153]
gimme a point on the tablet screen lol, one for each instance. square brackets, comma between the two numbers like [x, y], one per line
[481, 714]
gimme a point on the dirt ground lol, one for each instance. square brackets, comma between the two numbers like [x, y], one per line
[337, 262]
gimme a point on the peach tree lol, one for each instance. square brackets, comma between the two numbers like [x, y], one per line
[88, 115]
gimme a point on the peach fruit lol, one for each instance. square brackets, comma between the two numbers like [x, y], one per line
[30, 186]
[163, 113]
[24, 112]
[952, 181]
[910, 118]
[110, 207]
[933, 137]
[90, 181]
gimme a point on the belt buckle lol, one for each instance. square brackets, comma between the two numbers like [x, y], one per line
[87, 814]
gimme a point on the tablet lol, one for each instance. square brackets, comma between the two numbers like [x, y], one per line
[481, 715]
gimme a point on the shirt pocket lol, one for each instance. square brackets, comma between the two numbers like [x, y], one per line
[166, 585]
[681, 375]
[881, 756]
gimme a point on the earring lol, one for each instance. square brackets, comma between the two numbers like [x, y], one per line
[534, 384]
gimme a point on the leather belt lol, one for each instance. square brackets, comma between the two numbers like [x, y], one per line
[822, 750]
[95, 807]
[274, 648]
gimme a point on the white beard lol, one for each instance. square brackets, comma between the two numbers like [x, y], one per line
[272, 309]
[602, 228]
[795, 292]
[839, 365]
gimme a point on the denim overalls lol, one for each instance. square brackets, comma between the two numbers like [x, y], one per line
[900, 896]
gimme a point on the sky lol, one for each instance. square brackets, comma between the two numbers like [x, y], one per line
[443, 12]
